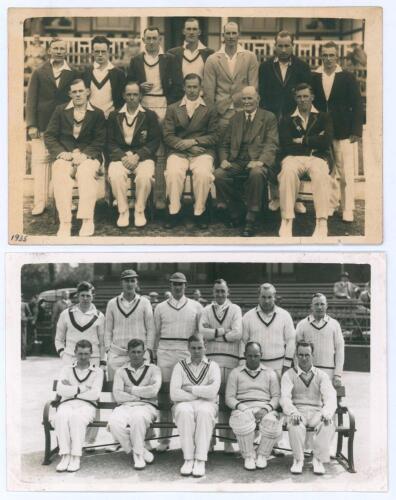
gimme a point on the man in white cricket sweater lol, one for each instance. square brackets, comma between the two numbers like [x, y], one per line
[135, 388]
[175, 319]
[79, 387]
[128, 316]
[308, 399]
[194, 388]
[221, 326]
[253, 393]
[272, 327]
[325, 333]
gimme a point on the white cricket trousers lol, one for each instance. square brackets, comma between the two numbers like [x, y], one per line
[345, 154]
[195, 421]
[322, 436]
[71, 421]
[40, 167]
[63, 188]
[202, 177]
[119, 180]
[138, 418]
[293, 168]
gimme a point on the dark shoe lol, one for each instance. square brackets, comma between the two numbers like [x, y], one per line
[200, 221]
[234, 222]
[248, 230]
[172, 221]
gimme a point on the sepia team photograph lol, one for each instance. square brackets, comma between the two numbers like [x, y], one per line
[196, 372]
[202, 126]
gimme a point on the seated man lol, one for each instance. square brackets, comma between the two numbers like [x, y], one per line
[135, 389]
[191, 132]
[247, 151]
[75, 139]
[133, 139]
[305, 139]
[79, 387]
[194, 386]
[253, 395]
[308, 399]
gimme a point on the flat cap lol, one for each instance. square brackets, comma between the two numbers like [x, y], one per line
[344, 274]
[129, 273]
[178, 278]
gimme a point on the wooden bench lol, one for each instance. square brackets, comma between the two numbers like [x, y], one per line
[345, 427]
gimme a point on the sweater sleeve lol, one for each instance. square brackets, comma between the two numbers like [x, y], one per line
[274, 390]
[210, 390]
[204, 325]
[339, 345]
[290, 340]
[149, 324]
[109, 325]
[93, 392]
[235, 334]
[286, 396]
[101, 337]
[151, 390]
[157, 326]
[329, 396]
[177, 394]
[231, 390]
[66, 391]
[60, 336]
[210, 80]
[120, 395]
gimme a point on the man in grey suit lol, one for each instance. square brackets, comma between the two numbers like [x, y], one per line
[247, 152]
[190, 131]
[226, 73]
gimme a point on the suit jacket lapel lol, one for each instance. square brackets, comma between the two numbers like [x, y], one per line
[87, 119]
[199, 113]
[333, 87]
[120, 118]
[238, 63]
[276, 68]
[313, 118]
[183, 117]
[224, 64]
[139, 123]
[50, 74]
[289, 72]
[255, 125]
[69, 117]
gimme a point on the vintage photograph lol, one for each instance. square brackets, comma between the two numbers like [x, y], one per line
[196, 372]
[238, 126]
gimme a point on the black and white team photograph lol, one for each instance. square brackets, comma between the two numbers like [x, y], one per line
[247, 128]
[187, 373]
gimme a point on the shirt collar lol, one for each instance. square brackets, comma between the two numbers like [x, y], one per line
[124, 109]
[252, 114]
[204, 360]
[321, 70]
[299, 371]
[197, 102]
[146, 363]
[71, 106]
[65, 65]
[91, 367]
[276, 60]
[260, 368]
[106, 68]
[297, 112]
[239, 50]
[137, 296]
[311, 318]
[160, 52]
[200, 45]
[91, 311]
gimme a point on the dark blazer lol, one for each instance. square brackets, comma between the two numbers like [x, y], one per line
[117, 83]
[276, 95]
[43, 95]
[170, 74]
[263, 141]
[59, 134]
[317, 137]
[203, 127]
[146, 137]
[178, 52]
[344, 105]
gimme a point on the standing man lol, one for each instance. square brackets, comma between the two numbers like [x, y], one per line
[176, 319]
[128, 316]
[192, 55]
[247, 152]
[134, 136]
[337, 92]
[253, 393]
[308, 399]
[221, 326]
[325, 334]
[105, 81]
[135, 389]
[75, 139]
[191, 134]
[48, 87]
[272, 327]
[226, 73]
[194, 388]
[26, 316]
[60, 305]
[79, 387]
[305, 140]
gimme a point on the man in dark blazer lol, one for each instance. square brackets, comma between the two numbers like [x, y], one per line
[75, 139]
[305, 141]
[48, 87]
[134, 136]
[247, 152]
[190, 132]
[337, 92]
[105, 81]
[158, 74]
[278, 76]
[192, 55]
